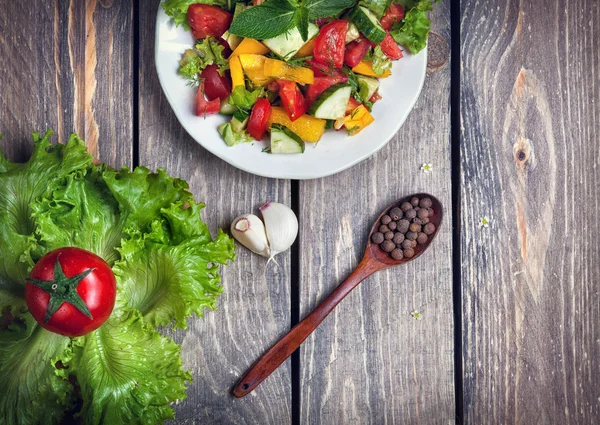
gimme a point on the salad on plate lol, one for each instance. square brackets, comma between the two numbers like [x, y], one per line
[294, 68]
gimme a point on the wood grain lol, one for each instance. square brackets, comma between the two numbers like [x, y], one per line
[254, 310]
[370, 361]
[530, 89]
[67, 66]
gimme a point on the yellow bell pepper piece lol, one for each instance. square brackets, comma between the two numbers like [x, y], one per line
[280, 69]
[249, 46]
[366, 68]
[357, 120]
[237, 73]
[309, 129]
[307, 49]
[254, 68]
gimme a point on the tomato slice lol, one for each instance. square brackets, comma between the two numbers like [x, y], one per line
[390, 47]
[356, 51]
[257, 124]
[393, 15]
[206, 20]
[376, 96]
[216, 86]
[330, 43]
[320, 85]
[292, 99]
[203, 107]
[321, 70]
[352, 105]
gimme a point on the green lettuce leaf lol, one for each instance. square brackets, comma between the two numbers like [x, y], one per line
[243, 98]
[381, 62]
[413, 30]
[128, 373]
[178, 264]
[207, 52]
[32, 390]
[79, 210]
[20, 185]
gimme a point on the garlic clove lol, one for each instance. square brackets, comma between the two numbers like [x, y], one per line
[249, 230]
[281, 226]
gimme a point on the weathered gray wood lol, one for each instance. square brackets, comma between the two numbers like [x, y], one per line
[254, 310]
[530, 89]
[67, 66]
[371, 362]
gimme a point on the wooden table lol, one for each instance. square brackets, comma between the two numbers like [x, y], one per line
[509, 329]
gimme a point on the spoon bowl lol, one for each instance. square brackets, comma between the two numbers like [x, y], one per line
[374, 259]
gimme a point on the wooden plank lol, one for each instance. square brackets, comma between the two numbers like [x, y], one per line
[530, 100]
[67, 67]
[371, 362]
[254, 310]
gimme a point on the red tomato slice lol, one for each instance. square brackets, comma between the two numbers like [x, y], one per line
[356, 51]
[322, 70]
[257, 124]
[376, 96]
[216, 86]
[390, 47]
[320, 85]
[393, 15]
[61, 308]
[292, 99]
[352, 105]
[203, 107]
[206, 20]
[330, 43]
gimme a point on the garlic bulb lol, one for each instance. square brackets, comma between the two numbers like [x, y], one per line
[281, 230]
[282, 226]
[250, 232]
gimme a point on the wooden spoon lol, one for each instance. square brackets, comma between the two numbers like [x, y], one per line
[375, 259]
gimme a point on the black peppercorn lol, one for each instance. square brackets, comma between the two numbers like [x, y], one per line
[410, 214]
[377, 237]
[403, 226]
[417, 220]
[396, 213]
[422, 238]
[409, 253]
[388, 246]
[430, 211]
[392, 225]
[426, 203]
[386, 219]
[383, 228]
[411, 235]
[414, 201]
[406, 244]
[405, 206]
[389, 235]
[397, 254]
[398, 238]
[414, 227]
[423, 213]
[429, 228]
[424, 220]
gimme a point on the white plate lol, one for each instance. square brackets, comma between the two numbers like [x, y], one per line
[335, 151]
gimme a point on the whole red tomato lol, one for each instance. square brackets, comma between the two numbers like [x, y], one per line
[71, 291]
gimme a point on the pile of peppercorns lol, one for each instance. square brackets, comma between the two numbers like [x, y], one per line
[404, 227]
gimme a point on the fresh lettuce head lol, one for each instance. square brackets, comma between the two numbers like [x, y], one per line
[148, 228]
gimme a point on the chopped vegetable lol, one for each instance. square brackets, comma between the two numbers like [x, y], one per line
[208, 21]
[413, 30]
[237, 72]
[204, 107]
[254, 68]
[245, 99]
[358, 120]
[366, 68]
[257, 125]
[307, 49]
[292, 99]
[250, 46]
[281, 70]
[306, 127]
[330, 43]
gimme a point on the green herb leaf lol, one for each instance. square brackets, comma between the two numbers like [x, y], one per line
[267, 20]
[301, 19]
[326, 8]
[413, 30]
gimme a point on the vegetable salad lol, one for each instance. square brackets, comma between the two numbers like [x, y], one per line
[294, 68]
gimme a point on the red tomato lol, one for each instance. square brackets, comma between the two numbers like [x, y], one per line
[71, 291]
[216, 86]
[393, 15]
[352, 105]
[330, 43]
[203, 107]
[257, 124]
[390, 47]
[292, 99]
[356, 51]
[208, 20]
[376, 96]
[320, 85]
[321, 70]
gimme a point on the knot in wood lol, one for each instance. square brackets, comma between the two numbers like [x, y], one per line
[438, 51]
[522, 152]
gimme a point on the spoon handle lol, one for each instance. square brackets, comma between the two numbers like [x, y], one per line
[277, 354]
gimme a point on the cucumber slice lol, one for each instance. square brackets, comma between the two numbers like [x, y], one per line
[378, 7]
[239, 121]
[231, 137]
[367, 23]
[227, 108]
[286, 45]
[352, 33]
[232, 39]
[367, 86]
[284, 140]
[331, 105]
